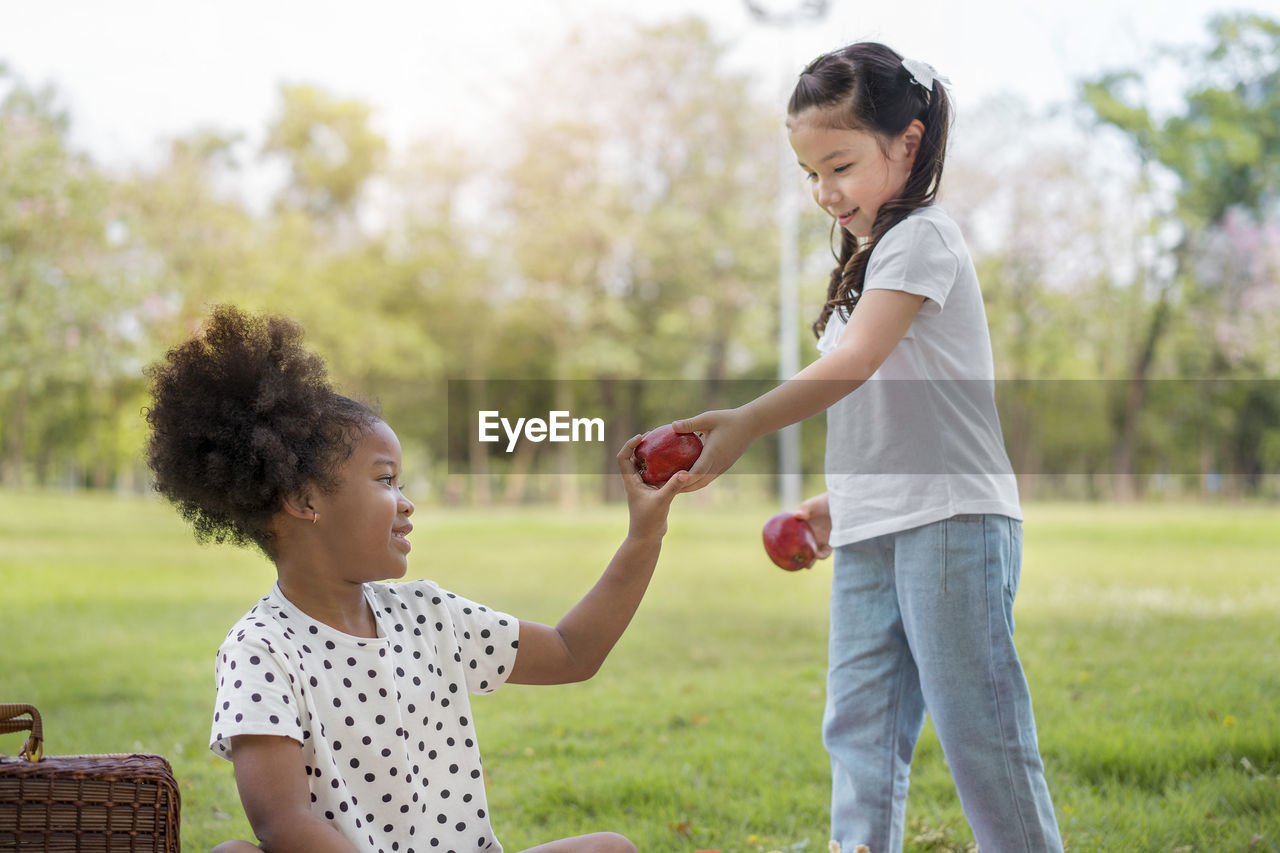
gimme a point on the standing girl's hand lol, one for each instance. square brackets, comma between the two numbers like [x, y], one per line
[817, 513]
[726, 435]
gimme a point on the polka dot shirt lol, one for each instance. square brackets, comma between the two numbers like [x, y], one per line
[385, 724]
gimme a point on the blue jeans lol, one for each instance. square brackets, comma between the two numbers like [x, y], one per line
[923, 620]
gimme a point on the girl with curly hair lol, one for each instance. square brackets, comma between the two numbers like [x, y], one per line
[342, 702]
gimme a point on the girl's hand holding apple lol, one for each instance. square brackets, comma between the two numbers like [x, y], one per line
[726, 435]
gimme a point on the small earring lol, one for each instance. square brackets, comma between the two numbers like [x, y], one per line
[315, 516]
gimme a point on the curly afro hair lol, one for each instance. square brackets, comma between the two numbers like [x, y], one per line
[242, 416]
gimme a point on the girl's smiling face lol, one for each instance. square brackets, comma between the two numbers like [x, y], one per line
[850, 172]
[366, 517]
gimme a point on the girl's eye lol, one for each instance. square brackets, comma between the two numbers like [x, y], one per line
[840, 170]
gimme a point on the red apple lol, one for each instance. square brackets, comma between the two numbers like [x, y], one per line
[790, 542]
[663, 452]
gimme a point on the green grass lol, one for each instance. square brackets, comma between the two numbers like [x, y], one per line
[1150, 636]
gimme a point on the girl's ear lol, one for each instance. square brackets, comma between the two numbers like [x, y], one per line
[299, 505]
[910, 139]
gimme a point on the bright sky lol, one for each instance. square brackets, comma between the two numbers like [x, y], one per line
[134, 72]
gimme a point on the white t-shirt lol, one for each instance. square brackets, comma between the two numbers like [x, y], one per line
[920, 441]
[385, 724]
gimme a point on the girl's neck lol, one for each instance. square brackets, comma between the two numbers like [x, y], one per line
[339, 604]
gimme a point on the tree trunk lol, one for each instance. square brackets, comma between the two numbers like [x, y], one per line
[478, 453]
[619, 400]
[513, 491]
[1124, 456]
[15, 434]
[567, 462]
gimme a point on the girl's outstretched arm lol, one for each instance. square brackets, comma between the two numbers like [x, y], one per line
[880, 320]
[578, 644]
[272, 780]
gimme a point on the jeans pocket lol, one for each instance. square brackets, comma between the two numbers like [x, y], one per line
[962, 544]
[1012, 565]
[1013, 561]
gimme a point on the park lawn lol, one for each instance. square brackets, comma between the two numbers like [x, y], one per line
[1149, 633]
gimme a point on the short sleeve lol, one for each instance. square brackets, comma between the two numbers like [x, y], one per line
[914, 257]
[255, 693]
[487, 641]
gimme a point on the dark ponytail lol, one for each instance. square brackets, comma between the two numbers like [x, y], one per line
[865, 87]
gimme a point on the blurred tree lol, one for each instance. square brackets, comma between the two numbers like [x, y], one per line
[66, 322]
[1050, 259]
[459, 283]
[641, 223]
[330, 149]
[1220, 151]
[618, 236]
[191, 239]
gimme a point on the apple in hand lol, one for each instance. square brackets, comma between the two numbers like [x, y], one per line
[663, 452]
[790, 542]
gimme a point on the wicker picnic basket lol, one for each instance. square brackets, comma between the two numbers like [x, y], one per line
[83, 803]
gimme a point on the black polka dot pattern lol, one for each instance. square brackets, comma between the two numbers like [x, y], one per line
[385, 724]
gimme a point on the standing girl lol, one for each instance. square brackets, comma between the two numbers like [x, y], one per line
[341, 701]
[921, 506]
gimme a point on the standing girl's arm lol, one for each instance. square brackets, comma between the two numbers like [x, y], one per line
[876, 325]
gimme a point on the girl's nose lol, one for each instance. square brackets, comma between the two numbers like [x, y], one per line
[826, 192]
[406, 506]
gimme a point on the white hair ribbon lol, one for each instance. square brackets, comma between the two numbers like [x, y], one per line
[923, 73]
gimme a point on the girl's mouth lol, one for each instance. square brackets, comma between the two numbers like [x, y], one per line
[844, 219]
[400, 536]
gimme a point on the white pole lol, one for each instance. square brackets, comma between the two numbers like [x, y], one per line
[790, 476]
